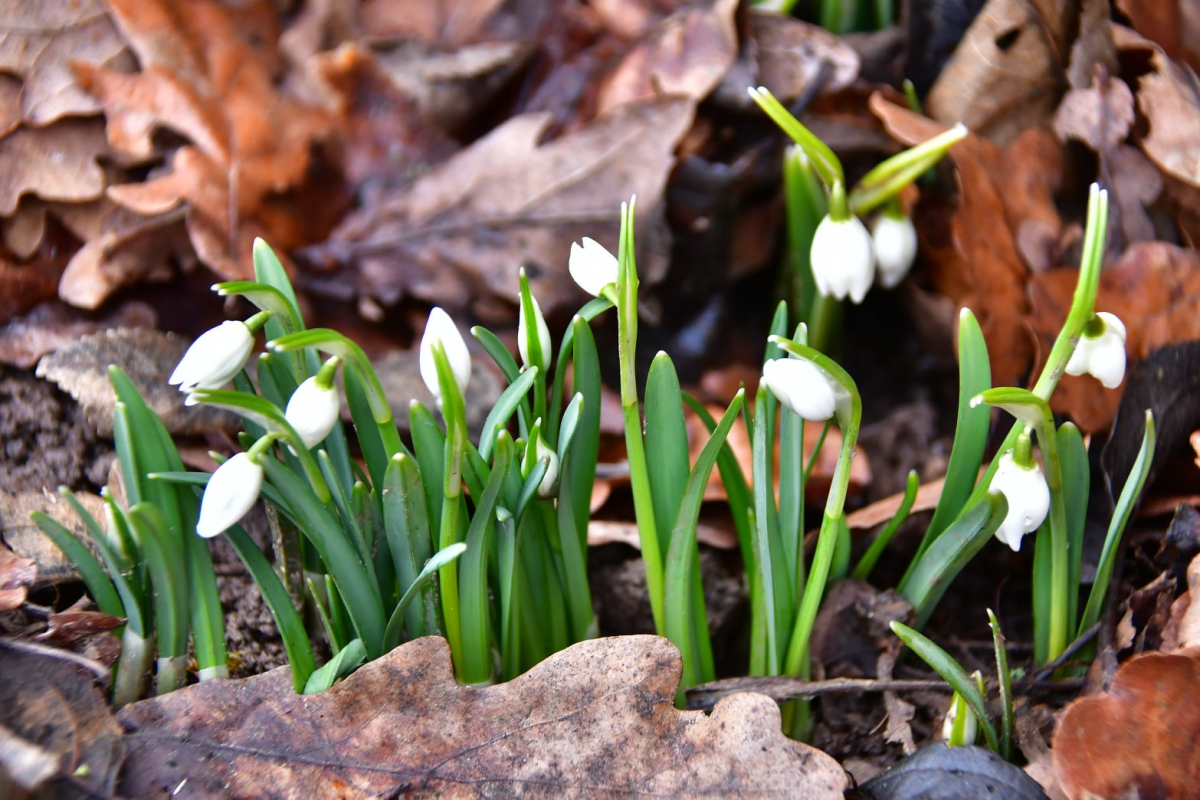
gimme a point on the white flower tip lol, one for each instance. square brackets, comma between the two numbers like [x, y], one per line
[959, 130]
[965, 313]
[977, 400]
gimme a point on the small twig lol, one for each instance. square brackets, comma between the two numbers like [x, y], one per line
[1071, 650]
[780, 688]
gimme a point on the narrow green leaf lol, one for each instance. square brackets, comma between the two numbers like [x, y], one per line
[87, 565]
[666, 445]
[1005, 681]
[508, 402]
[429, 445]
[346, 661]
[442, 558]
[737, 491]
[167, 563]
[871, 557]
[1076, 477]
[579, 471]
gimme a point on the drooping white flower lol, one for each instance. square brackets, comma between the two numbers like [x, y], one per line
[895, 240]
[592, 266]
[231, 492]
[970, 725]
[440, 328]
[543, 336]
[843, 258]
[1101, 354]
[549, 483]
[1028, 499]
[313, 410]
[214, 358]
[801, 386]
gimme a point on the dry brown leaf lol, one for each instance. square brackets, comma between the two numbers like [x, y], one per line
[1189, 620]
[39, 41]
[20, 534]
[208, 74]
[50, 326]
[596, 719]
[686, 55]
[1169, 98]
[443, 22]
[16, 576]
[1174, 25]
[148, 357]
[457, 234]
[54, 163]
[23, 286]
[793, 55]
[1140, 736]
[1099, 116]
[52, 712]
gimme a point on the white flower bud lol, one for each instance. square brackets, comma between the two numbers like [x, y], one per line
[592, 266]
[549, 484]
[440, 328]
[543, 334]
[970, 725]
[313, 411]
[231, 492]
[1102, 355]
[1028, 499]
[843, 259]
[214, 358]
[895, 241]
[801, 386]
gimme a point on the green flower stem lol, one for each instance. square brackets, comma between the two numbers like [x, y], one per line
[824, 161]
[625, 300]
[888, 178]
[454, 412]
[849, 416]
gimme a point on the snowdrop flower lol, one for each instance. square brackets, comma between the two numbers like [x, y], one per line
[842, 258]
[231, 492]
[1101, 350]
[543, 336]
[970, 725]
[1027, 494]
[214, 358]
[592, 266]
[313, 407]
[441, 329]
[895, 242]
[549, 484]
[801, 386]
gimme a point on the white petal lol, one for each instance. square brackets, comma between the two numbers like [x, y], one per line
[214, 358]
[313, 411]
[1028, 499]
[440, 328]
[592, 266]
[543, 334]
[550, 481]
[1102, 356]
[801, 386]
[842, 258]
[231, 492]
[895, 243]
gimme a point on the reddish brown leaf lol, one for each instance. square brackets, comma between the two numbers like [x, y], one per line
[597, 718]
[1174, 25]
[1140, 736]
[16, 576]
[445, 22]
[55, 163]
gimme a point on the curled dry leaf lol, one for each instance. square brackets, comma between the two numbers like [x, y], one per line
[686, 55]
[454, 236]
[595, 719]
[39, 42]
[1139, 737]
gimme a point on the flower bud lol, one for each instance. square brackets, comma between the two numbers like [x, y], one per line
[895, 242]
[441, 329]
[313, 410]
[968, 729]
[535, 452]
[592, 266]
[1101, 351]
[801, 386]
[231, 492]
[543, 336]
[214, 358]
[1028, 499]
[842, 258]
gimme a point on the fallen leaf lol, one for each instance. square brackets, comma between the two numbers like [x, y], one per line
[148, 357]
[793, 56]
[1099, 116]
[1189, 621]
[208, 74]
[39, 41]
[1174, 25]
[54, 163]
[16, 576]
[444, 22]
[1169, 98]
[52, 713]
[20, 534]
[601, 532]
[597, 718]
[1140, 736]
[686, 55]
[454, 235]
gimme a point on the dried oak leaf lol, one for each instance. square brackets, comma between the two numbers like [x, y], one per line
[53, 163]
[686, 55]
[148, 357]
[1138, 737]
[456, 235]
[1174, 25]
[57, 734]
[794, 55]
[597, 719]
[39, 41]
[51, 326]
[1154, 288]
[209, 74]
[27, 541]
[444, 22]
[975, 262]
